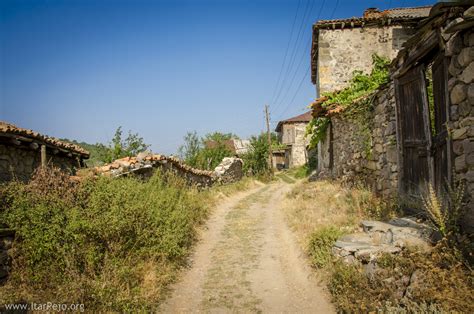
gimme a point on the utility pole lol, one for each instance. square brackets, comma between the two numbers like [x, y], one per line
[269, 138]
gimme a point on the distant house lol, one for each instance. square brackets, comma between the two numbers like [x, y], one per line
[237, 146]
[291, 132]
[23, 150]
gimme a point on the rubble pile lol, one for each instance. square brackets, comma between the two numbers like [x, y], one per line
[229, 170]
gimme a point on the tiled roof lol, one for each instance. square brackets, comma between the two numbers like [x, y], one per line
[374, 15]
[10, 129]
[305, 117]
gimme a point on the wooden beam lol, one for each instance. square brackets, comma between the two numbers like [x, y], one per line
[43, 156]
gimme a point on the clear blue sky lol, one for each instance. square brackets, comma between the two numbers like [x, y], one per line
[79, 69]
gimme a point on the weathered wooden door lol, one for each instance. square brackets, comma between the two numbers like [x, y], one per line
[440, 148]
[414, 132]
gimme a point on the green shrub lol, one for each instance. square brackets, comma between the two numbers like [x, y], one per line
[320, 245]
[109, 243]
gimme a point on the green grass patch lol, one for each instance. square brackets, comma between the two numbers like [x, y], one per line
[285, 178]
[320, 244]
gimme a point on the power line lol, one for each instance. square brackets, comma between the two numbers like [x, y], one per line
[296, 93]
[286, 52]
[294, 50]
[335, 8]
[307, 71]
[301, 60]
[279, 101]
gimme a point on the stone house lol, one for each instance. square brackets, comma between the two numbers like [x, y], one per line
[342, 46]
[417, 137]
[291, 132]
[23, 150]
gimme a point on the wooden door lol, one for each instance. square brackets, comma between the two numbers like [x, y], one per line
[414, 132]
[440, 148]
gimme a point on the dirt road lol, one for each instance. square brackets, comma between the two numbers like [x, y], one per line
[248, 261]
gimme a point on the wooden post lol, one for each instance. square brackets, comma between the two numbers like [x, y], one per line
[269, 138]
[43, 156]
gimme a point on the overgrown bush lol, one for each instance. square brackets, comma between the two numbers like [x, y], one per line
[108, 243]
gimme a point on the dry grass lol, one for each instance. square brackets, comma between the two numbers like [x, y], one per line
[319, 212]
[314, 205]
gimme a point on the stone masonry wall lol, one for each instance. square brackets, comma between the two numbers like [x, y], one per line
[20, 163]
[343, 51]
[460, 51]
[145, 163]
[372, 158]
[6, 240]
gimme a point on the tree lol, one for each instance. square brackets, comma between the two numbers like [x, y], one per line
[256, 160]
[205, 152]
[119, 148]
[191, 149]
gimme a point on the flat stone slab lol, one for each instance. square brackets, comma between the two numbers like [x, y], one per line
[381, 237]
[352, 246]
[372, 226]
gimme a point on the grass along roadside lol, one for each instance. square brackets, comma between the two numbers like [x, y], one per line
[111, 244]
[413, 281]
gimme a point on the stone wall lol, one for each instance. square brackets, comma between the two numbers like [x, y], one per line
[229, 170]
[351, 154]
[460, 51]
[145, 163]
[6, 240]
[342, 51]
[20, 163]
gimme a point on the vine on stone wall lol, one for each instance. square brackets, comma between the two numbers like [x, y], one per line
[354, 101]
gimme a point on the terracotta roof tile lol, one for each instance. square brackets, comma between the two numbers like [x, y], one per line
[8, 128]
[370, 15]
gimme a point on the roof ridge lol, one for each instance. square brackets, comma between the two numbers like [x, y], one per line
[6, 127]
[408, 8]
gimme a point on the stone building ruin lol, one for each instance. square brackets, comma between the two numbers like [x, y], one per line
[23, 150]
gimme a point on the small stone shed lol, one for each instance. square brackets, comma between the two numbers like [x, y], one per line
[291, 132]
[23, 150]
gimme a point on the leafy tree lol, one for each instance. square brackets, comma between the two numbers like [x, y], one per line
[256, 160]
[132, 145]
[191, 149]
[206, 152]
